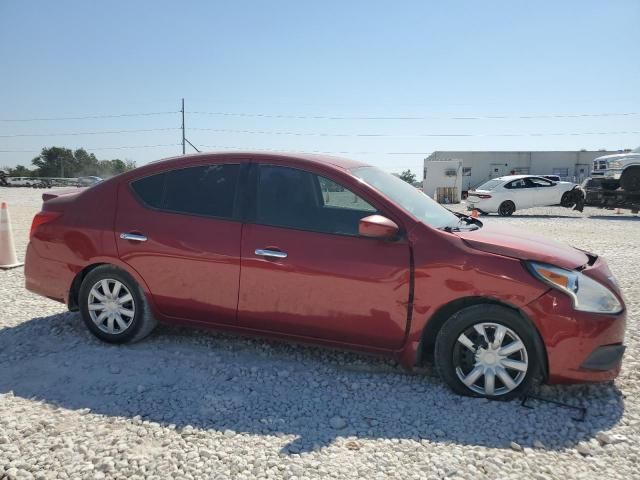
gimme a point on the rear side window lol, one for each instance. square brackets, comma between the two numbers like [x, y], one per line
[520, 183]
[205, 190]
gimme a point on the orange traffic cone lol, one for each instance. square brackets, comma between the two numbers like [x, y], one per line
[8, 257]
[474, 213]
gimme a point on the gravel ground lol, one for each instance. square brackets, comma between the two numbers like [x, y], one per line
[194, 404]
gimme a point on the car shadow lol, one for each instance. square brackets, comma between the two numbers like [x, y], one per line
[192, 379]
[616, 217]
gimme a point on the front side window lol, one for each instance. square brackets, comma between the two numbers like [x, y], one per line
[207, 190]
[408, 197]
[540, 182]
[293, 198]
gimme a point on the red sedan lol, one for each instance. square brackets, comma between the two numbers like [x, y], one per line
[329, 251]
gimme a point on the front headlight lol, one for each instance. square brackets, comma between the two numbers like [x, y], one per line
[587, 294]
[614, 163]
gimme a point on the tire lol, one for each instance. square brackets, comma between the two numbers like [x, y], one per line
[630, 179]
[456, 361]
[566, 200]
[506, 208]
[129, 327]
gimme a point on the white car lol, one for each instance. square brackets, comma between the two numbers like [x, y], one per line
[505, 195]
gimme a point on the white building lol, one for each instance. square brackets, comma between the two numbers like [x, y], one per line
[478, 167]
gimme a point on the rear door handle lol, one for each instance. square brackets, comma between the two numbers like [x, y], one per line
[134, 237]
[270, 253]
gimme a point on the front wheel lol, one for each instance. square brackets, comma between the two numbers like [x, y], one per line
[506, 208]
[630, 179]
[487, 351]
[113, 307]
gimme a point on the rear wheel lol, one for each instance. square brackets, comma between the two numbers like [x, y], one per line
[630, 179]
[113, 307]
[487, 351]
[506, 208]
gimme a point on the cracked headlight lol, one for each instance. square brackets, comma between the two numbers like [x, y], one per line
[587, 294]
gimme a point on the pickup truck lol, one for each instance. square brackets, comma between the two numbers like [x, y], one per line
[618, 170]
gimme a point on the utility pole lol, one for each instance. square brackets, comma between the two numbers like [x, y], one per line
[183, 137]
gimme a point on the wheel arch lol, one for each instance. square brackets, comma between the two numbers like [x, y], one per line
[439, 318]
[74, 289]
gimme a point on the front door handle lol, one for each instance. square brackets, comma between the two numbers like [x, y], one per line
[270, 253]
[134, 237]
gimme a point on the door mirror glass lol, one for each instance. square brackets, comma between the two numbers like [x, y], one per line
[377, 226]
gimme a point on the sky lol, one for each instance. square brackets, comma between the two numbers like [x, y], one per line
[380, 81]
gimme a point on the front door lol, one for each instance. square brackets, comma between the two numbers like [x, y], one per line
[305, 270]
[182, 234]
[546, 192]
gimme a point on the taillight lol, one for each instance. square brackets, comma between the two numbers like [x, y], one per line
[479, 195]
[41, 218]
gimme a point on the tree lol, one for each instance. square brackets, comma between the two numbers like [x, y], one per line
[408, 176]
[62, 162]
[18, 171]
[54, 162]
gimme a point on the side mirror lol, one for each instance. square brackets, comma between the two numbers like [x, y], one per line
[377, 226]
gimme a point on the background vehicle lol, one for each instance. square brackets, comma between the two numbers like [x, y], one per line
[505, 195]
[88, 181]
[329, 251]
[618, 171]
[20, 181]
[615, 181]
[553, 178]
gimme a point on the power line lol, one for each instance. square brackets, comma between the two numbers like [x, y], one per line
[420, 117]
[100, 148]
[101, 132]
[87, 117]
[420, 135]
[226, 147]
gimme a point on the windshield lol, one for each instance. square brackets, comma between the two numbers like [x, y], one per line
[490, 185]
[408, 197]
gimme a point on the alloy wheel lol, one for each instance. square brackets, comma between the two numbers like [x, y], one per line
[490, 359]
[506, 208]
[111, 306]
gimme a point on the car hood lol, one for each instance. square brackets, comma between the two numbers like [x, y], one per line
[515, 243]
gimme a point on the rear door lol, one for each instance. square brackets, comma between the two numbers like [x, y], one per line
[305, 270]
[182, 235]
[521, 192]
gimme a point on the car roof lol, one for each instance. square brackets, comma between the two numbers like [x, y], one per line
[508, 178]
[340, 162]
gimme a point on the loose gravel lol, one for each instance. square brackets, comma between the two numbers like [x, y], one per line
[198, 404]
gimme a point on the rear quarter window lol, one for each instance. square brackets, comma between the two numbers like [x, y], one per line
[150, 190]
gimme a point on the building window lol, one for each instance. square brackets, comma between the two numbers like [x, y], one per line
[466, 171]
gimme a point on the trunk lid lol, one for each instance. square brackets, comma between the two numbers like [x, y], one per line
[60, 192]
